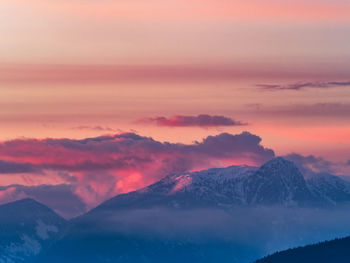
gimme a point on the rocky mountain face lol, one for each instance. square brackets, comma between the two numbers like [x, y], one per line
[26, 228]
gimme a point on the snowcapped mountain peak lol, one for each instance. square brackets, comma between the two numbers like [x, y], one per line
[280, 169]
[175, 183]
[217, 174]
[278, 181]
[213, 187]
[279, 164]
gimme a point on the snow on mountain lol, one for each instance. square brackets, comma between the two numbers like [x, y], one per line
[330, 188]
[26, 227]
[277, 182]
[218, 187]
[232, 214]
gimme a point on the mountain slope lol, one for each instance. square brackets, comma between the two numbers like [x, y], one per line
[218, 187]
[329, 188]
[326, 252]
[26, 227]
[278, 182]
[234, 214]
[164, 222]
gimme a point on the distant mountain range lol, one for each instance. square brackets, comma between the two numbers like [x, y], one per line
[202, 216]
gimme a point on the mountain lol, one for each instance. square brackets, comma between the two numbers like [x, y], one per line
[277, 182]
[26, 227]
[330, 188]
[165, 222]
[234, 214]
[218, 187]
[325, 252]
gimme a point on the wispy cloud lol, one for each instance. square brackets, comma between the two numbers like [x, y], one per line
[103, 74]
[202, 120]
[340, 110]
[95, 128]
[311, 164]
[304, 85]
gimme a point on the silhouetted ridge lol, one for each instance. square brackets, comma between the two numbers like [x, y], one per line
[27, 208]
[335, 251]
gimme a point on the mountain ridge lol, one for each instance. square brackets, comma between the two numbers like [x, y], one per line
[336, 250]
[277, 182]
[171, 214]
[26, 228]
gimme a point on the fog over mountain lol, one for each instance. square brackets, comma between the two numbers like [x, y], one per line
[277, 182]
[233, 214]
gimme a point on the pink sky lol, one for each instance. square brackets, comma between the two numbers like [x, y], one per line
[77, 69]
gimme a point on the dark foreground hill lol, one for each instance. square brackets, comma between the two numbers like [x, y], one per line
[335, 251]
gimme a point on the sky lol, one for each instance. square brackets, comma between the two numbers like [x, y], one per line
[268, 77]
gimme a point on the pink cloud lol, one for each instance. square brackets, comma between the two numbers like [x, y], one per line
[104, 166]
[11, 194]
[202, 120]
[204, 10]
[95, 128]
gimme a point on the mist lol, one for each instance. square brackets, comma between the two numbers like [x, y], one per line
[245, 233]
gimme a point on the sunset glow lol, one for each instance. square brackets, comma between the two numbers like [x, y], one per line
[110, 96]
